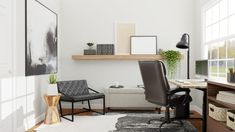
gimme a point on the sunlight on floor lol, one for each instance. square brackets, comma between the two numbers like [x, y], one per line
[102, 123]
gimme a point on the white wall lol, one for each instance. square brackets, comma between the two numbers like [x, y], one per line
[85, 21]
[21, 104]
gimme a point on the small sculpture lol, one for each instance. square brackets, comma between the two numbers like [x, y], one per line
[90, 45]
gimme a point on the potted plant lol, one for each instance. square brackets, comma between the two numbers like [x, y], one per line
[231, 75]
[52, 87]
[171, 59]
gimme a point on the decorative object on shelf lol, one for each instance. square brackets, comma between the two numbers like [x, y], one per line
[231, 75]
[217, 112]
[105, 49]
[226, 96]
[117, 85]
[123, 31]
[89, 52]
[184, 43]
[171, 58]
[52, 87]
[90, 45]
[114, 86]
[41, 39]
[159, 51]
[143, 45]
[231, 119]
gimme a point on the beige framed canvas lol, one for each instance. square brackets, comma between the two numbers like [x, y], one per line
[123, 31]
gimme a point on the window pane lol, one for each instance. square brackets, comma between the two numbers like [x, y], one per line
[213, 67]
[232, 25]
[206, 52]
[209, 52]
[214, 52]
[230, 64]
[223, 9]
[231, 48]
[215, 13]
[222, 68]
[215, 31]
[208, 34]
[224, 28]
[208, 17]
[231, 7]
[220, 24]
[222, 50]
[213, 75]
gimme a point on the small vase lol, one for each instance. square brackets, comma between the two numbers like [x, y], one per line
[90, 47]
[52, 89]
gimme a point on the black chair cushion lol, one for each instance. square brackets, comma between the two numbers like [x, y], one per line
[83, 97]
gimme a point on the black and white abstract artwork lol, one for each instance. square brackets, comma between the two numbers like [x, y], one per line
[41, 39]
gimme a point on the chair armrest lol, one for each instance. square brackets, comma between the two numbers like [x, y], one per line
[177, 90]
[67, 96]
[93, 90]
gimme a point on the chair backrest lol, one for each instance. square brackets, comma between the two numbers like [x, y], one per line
[155, 81]
[73, 88]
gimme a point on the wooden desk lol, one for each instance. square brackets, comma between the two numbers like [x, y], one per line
[193, 83]
[200, 85]
[52, 116]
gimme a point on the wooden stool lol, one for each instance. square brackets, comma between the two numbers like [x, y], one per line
[52, 115]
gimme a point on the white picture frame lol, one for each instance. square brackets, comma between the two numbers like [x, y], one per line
[143, 45]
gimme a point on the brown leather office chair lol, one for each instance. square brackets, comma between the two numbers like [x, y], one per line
[157, 89]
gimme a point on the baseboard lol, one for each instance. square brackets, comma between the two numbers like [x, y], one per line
[196, 108]
[32, 123]
[40, 118]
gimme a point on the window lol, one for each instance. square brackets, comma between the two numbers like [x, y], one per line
[219, 36]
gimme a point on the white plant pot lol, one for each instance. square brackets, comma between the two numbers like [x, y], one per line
[52, 89]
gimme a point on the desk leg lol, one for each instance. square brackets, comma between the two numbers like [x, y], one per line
[204, 112]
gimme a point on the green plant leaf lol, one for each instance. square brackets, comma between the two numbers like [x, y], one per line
[53, 79]
[171, 58]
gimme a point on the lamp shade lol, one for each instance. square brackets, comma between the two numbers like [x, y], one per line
[184, 42]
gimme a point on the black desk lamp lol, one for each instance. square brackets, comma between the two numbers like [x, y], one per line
[184, 44]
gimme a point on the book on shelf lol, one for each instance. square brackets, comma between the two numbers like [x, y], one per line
[225, 98]
[105, 49]
[228, 93]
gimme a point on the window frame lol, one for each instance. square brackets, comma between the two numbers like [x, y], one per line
[223, 40]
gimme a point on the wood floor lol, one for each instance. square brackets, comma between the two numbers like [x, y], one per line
[194, 115]
[196, 122]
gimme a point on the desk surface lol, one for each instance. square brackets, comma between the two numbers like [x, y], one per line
[191, 83]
